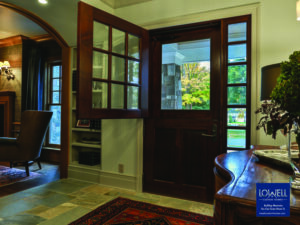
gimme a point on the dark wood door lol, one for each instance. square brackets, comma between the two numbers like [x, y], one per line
[182, 134]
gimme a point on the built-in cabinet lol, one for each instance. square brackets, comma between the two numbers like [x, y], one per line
[85, 141]
[111, 155]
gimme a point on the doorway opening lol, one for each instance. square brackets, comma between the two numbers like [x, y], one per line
[65, 75]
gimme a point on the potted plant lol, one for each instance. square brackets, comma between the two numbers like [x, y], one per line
[284, 109]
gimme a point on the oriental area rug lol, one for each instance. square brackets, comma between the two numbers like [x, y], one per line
[122, 211]
[13, 175]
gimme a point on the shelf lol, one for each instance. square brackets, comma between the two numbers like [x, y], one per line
[96, 91]
[85, 130]
[79, 144]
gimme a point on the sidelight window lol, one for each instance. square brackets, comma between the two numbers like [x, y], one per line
[238, 85]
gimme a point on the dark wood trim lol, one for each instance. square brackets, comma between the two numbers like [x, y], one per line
[43, 37]
[86, 16]
[225, 23]
[66, 73]
[10, 41]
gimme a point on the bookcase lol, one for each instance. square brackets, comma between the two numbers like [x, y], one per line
[85, 146]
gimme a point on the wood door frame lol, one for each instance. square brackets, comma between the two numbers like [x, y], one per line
[210, 30]
[66, 71]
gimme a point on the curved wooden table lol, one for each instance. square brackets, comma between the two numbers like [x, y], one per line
[236, 176]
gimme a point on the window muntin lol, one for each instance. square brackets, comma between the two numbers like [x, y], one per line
[116, 69]
[54, 104]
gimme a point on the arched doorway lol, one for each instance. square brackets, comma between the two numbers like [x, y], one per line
[65, 81]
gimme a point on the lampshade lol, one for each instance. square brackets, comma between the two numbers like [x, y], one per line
[6, 64]
[298, 10]
[269, 75]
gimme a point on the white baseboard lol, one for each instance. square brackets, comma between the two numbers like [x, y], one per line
[101, 177]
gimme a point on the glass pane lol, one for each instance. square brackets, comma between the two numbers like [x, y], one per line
[237, 32]
[118, 69]
[100, 36]
[185, 78]
[99, 95]
[117, 96]
[56, 97]
[133, 71]
[236, 117]
[236, 95]
[56, 84]
[118, 41]
[236, 138]
[56, 72]
[237, 53]
[133, 97]
[133, 46]
[100, 65]
[54, 127]
[237, 74]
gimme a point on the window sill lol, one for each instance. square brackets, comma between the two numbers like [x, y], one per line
[51, 148]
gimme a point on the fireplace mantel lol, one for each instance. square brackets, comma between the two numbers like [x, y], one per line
[7, 100]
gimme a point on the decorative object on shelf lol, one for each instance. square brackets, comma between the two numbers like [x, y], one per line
[91, 140]
[283, 111]
[83, 123]
[90, 158]
[96, 124]
[5, 71]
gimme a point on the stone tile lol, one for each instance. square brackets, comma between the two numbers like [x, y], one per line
[37, 210]
[56, 211]
[67, 217]
[90, 200]
[21, 219]
[66, 186]
[97, 189]
[13, 208]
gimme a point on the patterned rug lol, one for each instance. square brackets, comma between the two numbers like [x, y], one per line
[122, 211]
[13, 175]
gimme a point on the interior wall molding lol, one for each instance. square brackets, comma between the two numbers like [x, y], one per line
[202, 16]
[10, 41]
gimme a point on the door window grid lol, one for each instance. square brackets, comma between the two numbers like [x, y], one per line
[121, 57]
[238, 86]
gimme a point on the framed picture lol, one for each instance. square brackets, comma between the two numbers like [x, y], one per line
[83, 123]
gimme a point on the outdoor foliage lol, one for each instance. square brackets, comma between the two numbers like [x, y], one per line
[195, 86]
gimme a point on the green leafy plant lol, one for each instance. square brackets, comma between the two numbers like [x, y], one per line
[284, 109]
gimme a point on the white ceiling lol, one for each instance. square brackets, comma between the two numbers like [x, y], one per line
[13, 24]
[122, 3]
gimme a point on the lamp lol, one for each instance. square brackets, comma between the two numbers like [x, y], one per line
[298, 10]
[269, 75]
[4, 71]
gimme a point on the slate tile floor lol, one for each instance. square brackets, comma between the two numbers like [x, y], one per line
[63, 201]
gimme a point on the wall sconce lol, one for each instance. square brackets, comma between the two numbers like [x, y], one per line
[298, 10]
[5, 71]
